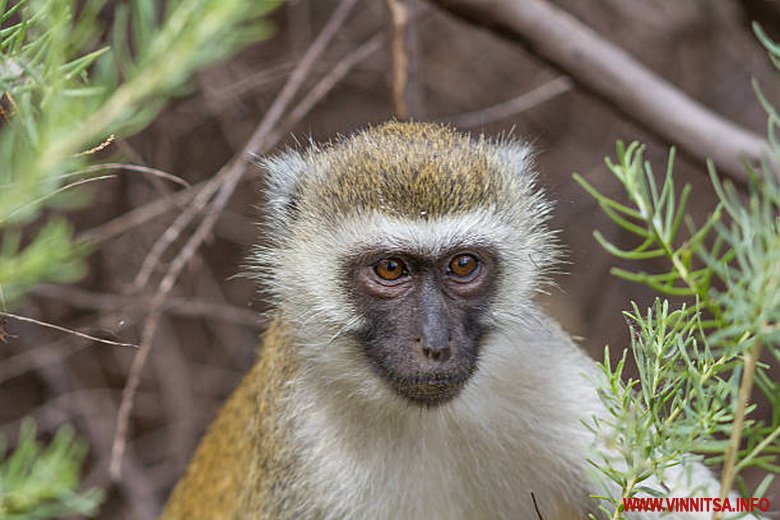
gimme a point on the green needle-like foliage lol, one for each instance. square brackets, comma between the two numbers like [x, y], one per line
[38, 482]
[69, 82]
[698, 364]
[51, 256]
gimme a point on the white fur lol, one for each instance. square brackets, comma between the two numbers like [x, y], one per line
[370, 454]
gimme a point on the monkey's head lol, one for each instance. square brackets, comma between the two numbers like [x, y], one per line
[396, 252]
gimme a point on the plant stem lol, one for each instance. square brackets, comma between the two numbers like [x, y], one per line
[626, 494]
[745, 389]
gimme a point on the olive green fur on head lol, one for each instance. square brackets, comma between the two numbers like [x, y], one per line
[406, 170]
[409, 170]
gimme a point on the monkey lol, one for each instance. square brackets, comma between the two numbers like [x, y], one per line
[407, 371]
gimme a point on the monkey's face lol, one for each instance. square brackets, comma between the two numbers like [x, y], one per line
[397, 253]
[423, 317]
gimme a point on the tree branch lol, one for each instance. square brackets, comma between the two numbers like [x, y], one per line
[611, 73]
[400, 15]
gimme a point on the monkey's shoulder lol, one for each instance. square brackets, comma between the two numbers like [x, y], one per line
[239, 459]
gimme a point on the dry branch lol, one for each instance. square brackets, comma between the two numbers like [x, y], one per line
[400, 16]
[514, 106]
[318, 92]
[155, 172]
[186, 307]
[139, 216]
[34, 358]
[611, 73]
[66, 330]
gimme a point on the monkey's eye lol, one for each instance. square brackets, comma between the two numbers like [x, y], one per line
[390, 269]
[463, 266]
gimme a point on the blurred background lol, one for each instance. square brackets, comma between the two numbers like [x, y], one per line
[208, 331]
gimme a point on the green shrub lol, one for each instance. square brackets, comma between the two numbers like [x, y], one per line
[698, 362]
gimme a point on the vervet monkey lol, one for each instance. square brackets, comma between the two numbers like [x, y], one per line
[407, 372]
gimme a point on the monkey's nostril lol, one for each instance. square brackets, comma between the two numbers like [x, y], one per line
[441, 354]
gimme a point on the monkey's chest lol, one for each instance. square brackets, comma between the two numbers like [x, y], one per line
[432, 475]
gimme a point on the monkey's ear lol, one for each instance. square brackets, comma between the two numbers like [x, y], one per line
[283, 174]
[516, 157]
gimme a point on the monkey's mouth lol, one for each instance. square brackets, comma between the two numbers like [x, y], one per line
[429, 390]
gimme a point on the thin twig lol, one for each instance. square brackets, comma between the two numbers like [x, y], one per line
[414, 96]
[514, 106]
[172, 233]
[226, 181]
[53, 193]
[139, 216]
[251, 82]
[189, 307]
[400, 16]
[326, 84]
[34, 358]
[735, 439]
[115, 166]
[69, 331]
[132, 168]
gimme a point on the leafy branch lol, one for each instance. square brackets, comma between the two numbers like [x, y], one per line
[40, 481]
[68, 82]
[699, 365]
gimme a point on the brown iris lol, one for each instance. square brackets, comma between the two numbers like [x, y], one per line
[463, 266]
[390, 269]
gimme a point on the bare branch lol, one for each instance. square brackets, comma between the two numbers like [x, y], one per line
[34, 358]
[514, 106]
[74, 184]
[729, 472]
[139, 216]
[318, 92]
[400, 15]
[67, 330]
[132, 168]
[610, 72]
[172, 233]
[189, 307]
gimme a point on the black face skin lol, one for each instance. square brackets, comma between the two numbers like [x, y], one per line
[424, 318]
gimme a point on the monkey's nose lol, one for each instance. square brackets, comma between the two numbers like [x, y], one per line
[440, 352]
